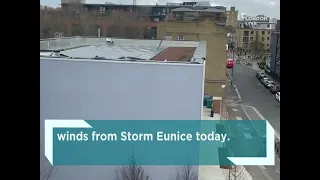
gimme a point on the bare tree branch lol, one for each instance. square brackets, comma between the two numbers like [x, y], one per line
[256, 46]
[87, 23]
[235, 173]
[186, 173]
[131, 172]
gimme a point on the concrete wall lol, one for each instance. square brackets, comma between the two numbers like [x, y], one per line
[216, 39]
[62, 43]
[117, 90]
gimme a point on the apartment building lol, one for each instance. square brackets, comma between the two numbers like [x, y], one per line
[245, 38]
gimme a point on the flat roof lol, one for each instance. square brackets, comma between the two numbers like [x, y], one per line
[124, 49]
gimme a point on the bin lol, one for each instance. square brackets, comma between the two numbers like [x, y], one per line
[205, 98]
[209, 103]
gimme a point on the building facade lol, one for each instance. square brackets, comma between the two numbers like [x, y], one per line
[246, 38]
[278, 26]
[232, 17]
[216, 37]
[275, 56]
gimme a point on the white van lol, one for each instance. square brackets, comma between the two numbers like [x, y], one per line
[109, 40]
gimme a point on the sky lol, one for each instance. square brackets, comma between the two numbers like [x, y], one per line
[269, 8]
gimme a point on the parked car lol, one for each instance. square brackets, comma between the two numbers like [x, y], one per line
[269, 84]
[278, 96]
[264, 80]
[275, 89]
[258, 74]
[262, 76]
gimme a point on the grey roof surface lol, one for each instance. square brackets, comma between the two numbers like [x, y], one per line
[82, 47]
[182, 9]
[115, 51]
[213, 10]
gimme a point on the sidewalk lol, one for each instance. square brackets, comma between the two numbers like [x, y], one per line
[215, 172]
[254, 66]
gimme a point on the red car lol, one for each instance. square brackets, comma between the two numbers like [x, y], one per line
[230, 63]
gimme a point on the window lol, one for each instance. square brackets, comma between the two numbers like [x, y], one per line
[257, 32]
[268, 38]
[245, 45]
[263, 32]
[245, 39]
[268, 32]
[180, 38]
[251, 38]
[268, 26]
[268, 45]
[262, 38]
[245, 33]
[251, 32]
[168, 38]
[102, 9]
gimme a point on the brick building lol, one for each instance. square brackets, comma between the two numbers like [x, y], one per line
[211, 30]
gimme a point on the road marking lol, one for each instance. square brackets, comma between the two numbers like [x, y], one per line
[262, 167]
[237, 91]
[238, 118]
[266, 175]
[234, 109]
[260, 115]
[277, 134]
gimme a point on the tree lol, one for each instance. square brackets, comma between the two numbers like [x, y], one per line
[256, 47]
[131, 172]
[235, 173]
[186, 173]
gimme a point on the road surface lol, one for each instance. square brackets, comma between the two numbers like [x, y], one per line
[256, 103]
[243, 112]
[253, 93]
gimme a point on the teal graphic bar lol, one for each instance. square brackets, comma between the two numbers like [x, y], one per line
[157, 142]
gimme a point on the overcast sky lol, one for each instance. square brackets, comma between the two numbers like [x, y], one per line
[270, 8]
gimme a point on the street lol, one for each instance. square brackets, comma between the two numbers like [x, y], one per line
[253, 93]
[243, 112]
[256, 103]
